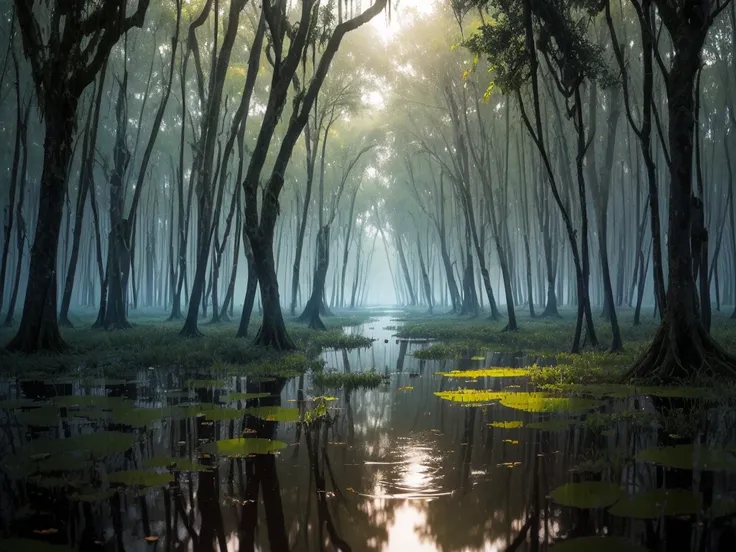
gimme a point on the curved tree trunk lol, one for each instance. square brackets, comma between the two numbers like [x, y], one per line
[311, 312]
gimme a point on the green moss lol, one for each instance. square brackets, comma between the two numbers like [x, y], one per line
[488, 373]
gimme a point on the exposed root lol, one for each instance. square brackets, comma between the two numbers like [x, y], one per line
[275, 338]
[669, 359]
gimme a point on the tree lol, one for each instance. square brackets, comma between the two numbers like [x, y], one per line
[682, 346]
[64, 60]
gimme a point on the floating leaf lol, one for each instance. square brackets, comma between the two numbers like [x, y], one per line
[551, 425]
[102, 443]
[12, 404]
[223, 414]
[46, 416]
[141, 417]
[62, 463]
[539, 402]
[470, 395]
[176, 464]
[274, 413]
[245, 396]
[507, 425]
[243, 447]
[100, 401]
[653, 504]
[151, 539]
[686, 457]
[510, 442]
[93, 495]
[488, 373]
[139, 478]
[203, 383]
[587, 494]
[509, 465]
[478, 357]
[599, 544]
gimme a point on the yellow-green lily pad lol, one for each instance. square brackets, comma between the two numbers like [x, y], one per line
[507, 425]
[587, 494]
[488, 373]
[539, 402]
[274, 413]
[470, 395]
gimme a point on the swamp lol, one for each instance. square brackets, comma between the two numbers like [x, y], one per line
[368, 275]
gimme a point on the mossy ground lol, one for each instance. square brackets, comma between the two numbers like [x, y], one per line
[155, 342]
[548, 341]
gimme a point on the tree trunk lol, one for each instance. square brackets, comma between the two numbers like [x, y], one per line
[311, 312]
[39, 329]
[682, 347]
[405, 271]
[425, 277]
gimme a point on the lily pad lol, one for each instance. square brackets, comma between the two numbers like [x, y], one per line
[100, 401]
[507, 425]
[488, 373]
[551, 425]
[587, 494]
[470, 395]
[93, 495]
[686, 457]
[202, 383]
[653, 504]
[46, 416]
[243, 447]
[62, 463]
[139, 478]
[141, 417]
[599, 544]
[12, 404]
[274, 413]
[245, 396]
[100, 444]
[539, 402]
[175, 464]
[223, 414]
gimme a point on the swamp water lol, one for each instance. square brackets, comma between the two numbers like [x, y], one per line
[474, 461]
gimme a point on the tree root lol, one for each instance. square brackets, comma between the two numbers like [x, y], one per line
[672, 358]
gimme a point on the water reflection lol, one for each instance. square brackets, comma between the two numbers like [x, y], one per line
[393, 468]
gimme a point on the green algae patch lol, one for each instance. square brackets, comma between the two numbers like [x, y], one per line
[470, 395]
[140, 478]
[238, 448]
[507, 425]
[488, 373]
[539, 402]
[274, 413]
[687, 457]
[551, 425]
[587, 494]
[599, 544]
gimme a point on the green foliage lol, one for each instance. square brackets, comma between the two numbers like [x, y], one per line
[332, 379]
[688, 457]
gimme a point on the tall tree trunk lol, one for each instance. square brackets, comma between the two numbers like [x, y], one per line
[682, 346]
[311, 312]
[39, 329]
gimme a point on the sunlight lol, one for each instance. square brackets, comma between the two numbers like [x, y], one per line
[403, 11]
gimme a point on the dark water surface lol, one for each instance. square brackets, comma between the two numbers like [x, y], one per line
[392, 469]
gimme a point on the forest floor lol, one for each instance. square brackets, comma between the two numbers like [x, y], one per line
[154, 342]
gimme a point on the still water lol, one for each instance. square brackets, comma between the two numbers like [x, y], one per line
[397, 468]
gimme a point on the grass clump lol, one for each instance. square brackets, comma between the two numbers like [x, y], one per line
[452, 350]
[331, 379]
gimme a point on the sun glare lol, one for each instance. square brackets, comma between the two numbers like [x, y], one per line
[404, 9]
